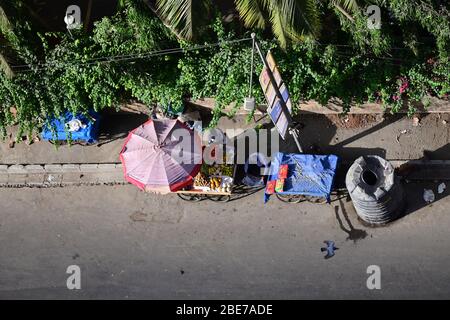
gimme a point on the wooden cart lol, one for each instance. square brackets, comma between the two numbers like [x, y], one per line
[193, 194]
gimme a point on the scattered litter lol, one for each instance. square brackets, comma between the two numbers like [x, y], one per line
[444, 122]
[401, 132]
[50, 178]
[441, 188]
[428, 195]
[29, 141]
[75, 125]
[416, 121]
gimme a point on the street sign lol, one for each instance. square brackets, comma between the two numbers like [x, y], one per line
[270, 77]
[274, 108]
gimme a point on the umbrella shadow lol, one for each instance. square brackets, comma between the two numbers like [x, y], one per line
[428, 175]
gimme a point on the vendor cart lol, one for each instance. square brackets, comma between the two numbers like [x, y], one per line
[295, 178]
[151, 159]
[220, 192]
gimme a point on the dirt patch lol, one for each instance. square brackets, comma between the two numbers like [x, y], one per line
[138, 216]
[353, 121]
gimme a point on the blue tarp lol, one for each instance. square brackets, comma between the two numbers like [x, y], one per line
[88, 134]
[308, 174]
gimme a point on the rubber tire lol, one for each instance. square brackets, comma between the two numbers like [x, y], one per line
[189, 197]
[220, 198]
[287, 198]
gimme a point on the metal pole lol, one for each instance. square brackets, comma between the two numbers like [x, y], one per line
[251, 68]
[292, 131]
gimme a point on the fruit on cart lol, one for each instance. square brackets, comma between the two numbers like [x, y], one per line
[215, 183]
[220, 170]
[227, 170]
[225, 187]
[201, 180]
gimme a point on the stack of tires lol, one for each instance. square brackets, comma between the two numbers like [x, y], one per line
[376, 192]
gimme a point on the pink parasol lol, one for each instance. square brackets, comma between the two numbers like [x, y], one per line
[161, 156]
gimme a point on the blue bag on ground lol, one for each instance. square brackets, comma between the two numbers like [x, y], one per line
[88, 130]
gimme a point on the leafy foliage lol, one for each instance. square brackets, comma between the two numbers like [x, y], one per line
[121, 59]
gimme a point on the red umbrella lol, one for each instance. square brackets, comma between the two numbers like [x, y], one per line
[161, 156]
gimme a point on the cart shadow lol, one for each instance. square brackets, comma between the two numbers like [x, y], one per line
[318, 135]
[416, 178]
[242, 191]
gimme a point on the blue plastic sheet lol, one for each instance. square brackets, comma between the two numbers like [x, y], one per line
[309, 175]
[88, 134]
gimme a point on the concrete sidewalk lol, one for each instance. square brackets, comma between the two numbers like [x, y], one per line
[394, 138]
[57, 175]
[43, 152]
[391, 137]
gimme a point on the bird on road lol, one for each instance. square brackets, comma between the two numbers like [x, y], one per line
[330, 249]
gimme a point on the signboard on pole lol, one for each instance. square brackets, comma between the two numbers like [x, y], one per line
[274, 108]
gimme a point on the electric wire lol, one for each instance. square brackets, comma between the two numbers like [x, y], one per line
[121, 58]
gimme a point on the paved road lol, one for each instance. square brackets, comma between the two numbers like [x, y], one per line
[133, 245]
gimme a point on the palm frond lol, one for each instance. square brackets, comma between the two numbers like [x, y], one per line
[178, 13]
[5, 67]
[306, 19]
[5, 25]
[347, 5]
[183, 15]
[252, 12]
[5, 30]
[279, 26]
[293, 19]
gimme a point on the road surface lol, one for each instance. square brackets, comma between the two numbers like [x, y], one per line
[134, 245]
